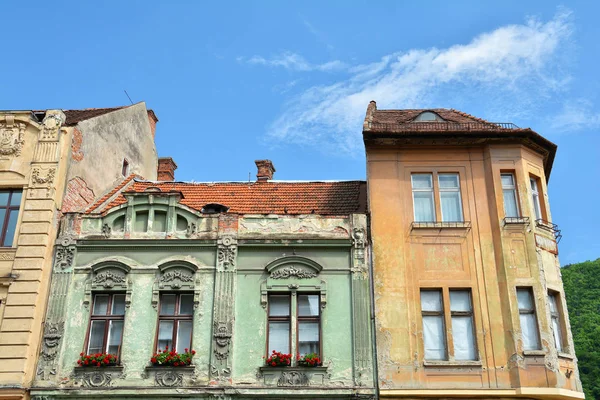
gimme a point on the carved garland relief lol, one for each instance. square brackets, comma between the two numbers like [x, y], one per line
[11, 137]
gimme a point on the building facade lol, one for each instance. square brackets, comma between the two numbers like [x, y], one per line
[468, 295]
[225, 273]
[52, 161]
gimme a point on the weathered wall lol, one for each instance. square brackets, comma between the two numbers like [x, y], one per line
[487, 257]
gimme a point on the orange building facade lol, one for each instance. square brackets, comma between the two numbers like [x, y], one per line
[468, 295]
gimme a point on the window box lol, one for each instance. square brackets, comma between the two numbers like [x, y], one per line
[293, 376]
[97, 376]
[168, 376]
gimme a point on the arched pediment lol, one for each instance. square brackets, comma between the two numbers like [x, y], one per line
[108, 275]
[293, 266]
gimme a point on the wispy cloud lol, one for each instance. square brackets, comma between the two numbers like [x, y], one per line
[293, 61]
[511, 59]
[576, 115]
[317, 34]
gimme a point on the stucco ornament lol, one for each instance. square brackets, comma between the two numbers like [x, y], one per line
[106, 230]
[11, 137]
[175, 279]
[360, 242]
[108, 279]
[52, 123]
[168, 378]
[293, 378]
[97, 379]
[293, 271]
[52, 335]
[38, 177]
[65, 253]
[222, 337]
[227, 252]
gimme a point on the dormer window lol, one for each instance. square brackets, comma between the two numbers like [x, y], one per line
[428, 116]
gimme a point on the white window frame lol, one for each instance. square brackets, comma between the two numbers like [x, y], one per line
[456, 189]
[463, 314]
[556, 316]
[529, 311]
[515, 196]
[535, 197]
[429, 190]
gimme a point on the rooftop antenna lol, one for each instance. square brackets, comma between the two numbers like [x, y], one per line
[248, 177]
[128, 96]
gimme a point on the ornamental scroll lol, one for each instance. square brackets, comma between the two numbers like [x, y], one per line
[108, 277]
[175, 277]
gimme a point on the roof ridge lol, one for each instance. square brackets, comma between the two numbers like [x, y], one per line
[467, 115]
[111, 193]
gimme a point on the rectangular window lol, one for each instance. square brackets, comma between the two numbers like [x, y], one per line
[300, 314]
[422, 189]
[461, 311]
[556, 319]
[509, 192]
[434, 335]
[450, 201]
[175, 322]
[535, 197]
[106, 324]
[528, 319]
[10, 202]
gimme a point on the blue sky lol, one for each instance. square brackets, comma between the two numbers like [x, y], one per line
[232, 82]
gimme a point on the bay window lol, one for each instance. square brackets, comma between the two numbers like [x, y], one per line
[528, 319]
[106, 324]
[175, 322]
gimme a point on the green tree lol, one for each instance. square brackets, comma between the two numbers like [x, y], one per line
[582, 290]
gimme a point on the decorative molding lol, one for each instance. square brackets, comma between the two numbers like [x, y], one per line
[11, 136]
[293, 378]
[106, 231]
[108, 276]
[51, 126]
[293, 271]
[168, 378]
[53, 333]
[39, 179]
[226, 253]
[65, 253]
[107, 279]
[360, 242]
[175, 279]
[301, 266]
[7, 255]
[191, 230]
[97, 379]
[222, 335]
[176, 276]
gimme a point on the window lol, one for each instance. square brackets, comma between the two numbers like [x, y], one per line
[434, 331]
[106, 324]
[509, 192]
[449, 197]
[125, 168]
[10, 202]
[307, 321]
[535, 197]
[428, 116]
[553, 301]
[175, 322]
[528, 319]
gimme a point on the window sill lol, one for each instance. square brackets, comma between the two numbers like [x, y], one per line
[457, 364]
[441, 225]
[516, 221]
[111, 368]
[538, 353]
[293, 376]
[168, 375]
[290, 368]
[566, 356]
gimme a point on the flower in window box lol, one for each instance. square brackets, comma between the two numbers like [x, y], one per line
[278, 359]
[97, 360]
[172, 358]
[310, 360]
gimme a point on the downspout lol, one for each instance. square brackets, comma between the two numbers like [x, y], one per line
[373, 325]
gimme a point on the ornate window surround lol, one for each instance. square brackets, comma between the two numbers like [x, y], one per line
[108, 276]
[293, 274]
[175, 276]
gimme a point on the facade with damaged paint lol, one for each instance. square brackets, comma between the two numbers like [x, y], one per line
[49, 163]
[233, 271]
[468, 294]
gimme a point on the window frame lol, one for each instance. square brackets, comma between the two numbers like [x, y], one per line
[176, 318]
[436, 193]
[294, 320]
[539, 210]
[9, 209]
[515, 193]
[471, 314]
[559, 316]
[432, 191]
[107, 318]
[529, 311]
[441, 313]
[450, 190]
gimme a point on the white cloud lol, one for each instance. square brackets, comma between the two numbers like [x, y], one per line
[576, 115]
[516, 60]
[294, 62]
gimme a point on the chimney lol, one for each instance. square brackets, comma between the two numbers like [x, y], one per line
[265, 170]
[152, 119]
[166, 169]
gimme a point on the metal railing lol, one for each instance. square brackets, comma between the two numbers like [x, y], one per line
[549, 226]
[516, 220]
[440, 225]
[442, 126]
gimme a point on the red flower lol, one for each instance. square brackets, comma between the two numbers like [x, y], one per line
[186, 350]
[153, 359]
[81, 354]
[86, 362]
[193, 352]
[176, 364]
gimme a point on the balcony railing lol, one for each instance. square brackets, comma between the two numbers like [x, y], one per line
[550, 227]
[516, 220]
[440, 225]
[441, 126]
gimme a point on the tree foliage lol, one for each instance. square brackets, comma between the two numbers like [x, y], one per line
[582, 290]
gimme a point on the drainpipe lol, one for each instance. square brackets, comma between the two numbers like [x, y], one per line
[373, 325]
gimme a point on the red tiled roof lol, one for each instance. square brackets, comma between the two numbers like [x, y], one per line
[75, 116]
[112, 192]
[406, 116]
[272, 197]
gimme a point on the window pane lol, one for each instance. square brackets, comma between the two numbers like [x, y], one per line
[96, 339]
[422, 181]
[279, 306]
[186, 304]
[424, 208]
[308, 337]
[529, 330]
[448, 181]
[464, 342]
[536, 206]
[279, 337]
[15, 200]
[160, 222]
[165, 335]
[11, 227]
[4, 197]
[557, 333]
[308, 305]
[451, 207]
[115, 333]
[434, 338]
[431, 300]
[167, 304]
[100, 304]
[552, 303]
[118, 305]
[141, 221]
[460, 300]
[533, 183]
[510, 203]
[184, 336]
[507, 180]
[525, 299]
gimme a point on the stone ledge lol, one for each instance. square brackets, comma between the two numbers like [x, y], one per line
[293, 376]
[168, 376]
[95, 377]
[455, 364]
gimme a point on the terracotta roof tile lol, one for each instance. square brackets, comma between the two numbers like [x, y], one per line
[112, 193]
[75, 116]
[272, 197]
[407, 116]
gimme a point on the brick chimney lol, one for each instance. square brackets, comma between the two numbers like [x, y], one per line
[166, 169]
[265, 170]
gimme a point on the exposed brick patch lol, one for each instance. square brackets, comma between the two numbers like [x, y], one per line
[228, 223]
[153, 120]
[76, 152]
[78, 195]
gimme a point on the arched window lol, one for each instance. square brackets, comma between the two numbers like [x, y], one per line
[428, 116]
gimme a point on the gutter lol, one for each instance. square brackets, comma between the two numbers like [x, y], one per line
[373, 325]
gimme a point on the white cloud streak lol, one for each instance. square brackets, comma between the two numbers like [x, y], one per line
[293, 61]
[576, 115]
[509, 59]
